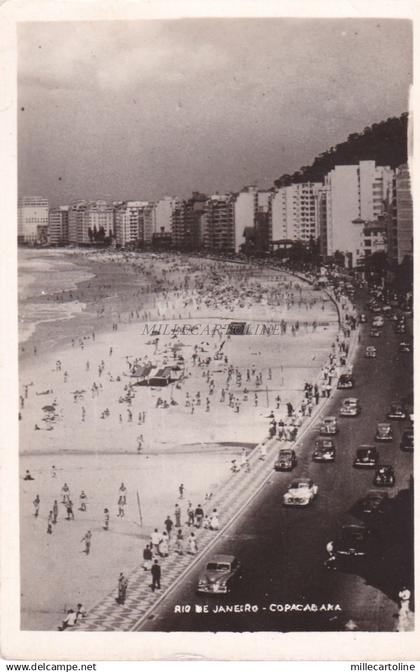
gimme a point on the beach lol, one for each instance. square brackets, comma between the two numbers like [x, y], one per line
[89, 414]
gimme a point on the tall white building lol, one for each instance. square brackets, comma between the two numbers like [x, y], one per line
[354, 194]
[32, 219]
[294, 212]
[163, 210]
[58, 225]
[245, 210]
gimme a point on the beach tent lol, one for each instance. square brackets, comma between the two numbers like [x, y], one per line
[161, 377]
[141, 371]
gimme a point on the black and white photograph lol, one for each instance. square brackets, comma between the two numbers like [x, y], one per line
[215, 392]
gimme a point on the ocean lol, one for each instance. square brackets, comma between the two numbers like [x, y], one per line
[42, 275]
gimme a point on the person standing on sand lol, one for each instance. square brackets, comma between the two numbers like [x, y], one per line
[177, 513]
[55, 512]
[87, 539]
[106, 519]
[36, 504]
[181, 491]
[83, 500]
[121, 504]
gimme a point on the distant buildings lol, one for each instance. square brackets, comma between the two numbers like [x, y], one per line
[358, 210]
[32, 220]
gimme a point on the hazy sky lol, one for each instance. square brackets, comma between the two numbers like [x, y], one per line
[141, 109]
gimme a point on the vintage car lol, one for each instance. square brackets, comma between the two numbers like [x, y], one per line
[404, 347]
[286, 460]
[378, 321]
[353, 541]
[370, 352]
[219, 575]
[400, 328]
[350, 407]
[345, 382]
[301, 492]
[384, 476]
[396, 411]
[384, 431]
[324, 450]
[374, 502]
[363, 318]
[375, 333]
[407, 440]
[366, 457]
[328, 425]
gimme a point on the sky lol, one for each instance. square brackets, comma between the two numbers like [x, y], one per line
[142, 109]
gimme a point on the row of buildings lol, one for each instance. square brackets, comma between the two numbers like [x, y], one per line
[357, 210]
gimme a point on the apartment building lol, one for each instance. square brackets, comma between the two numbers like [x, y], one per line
[186, 218]
[129, 223]
[32, 220]
[294, 212]
[219, 234]
[354, 195]
[58, 225]
[90, 222]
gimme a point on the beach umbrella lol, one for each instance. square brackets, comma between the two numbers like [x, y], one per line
[49, 409]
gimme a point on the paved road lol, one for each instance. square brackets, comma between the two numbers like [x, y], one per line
[282, 550]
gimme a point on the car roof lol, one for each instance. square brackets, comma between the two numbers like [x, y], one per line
[366, 447]
[351, 527]
[383, 424]
[330, 418]
[302, 479]
[353, 400]
[221, 557]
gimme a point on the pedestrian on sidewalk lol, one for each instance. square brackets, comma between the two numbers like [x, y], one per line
[198, 516]
[147, 558]
[214, 520]
[36, 504]
[169, 525]
[122, 588]
[190, 514]
[156, 575]
[192, 544]
[155, 539]
[179, 543]
[164, 545]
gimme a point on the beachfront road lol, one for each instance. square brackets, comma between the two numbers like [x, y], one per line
[282, 550]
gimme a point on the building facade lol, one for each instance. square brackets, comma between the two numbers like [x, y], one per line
[354, 194]
[32, 220]
[294, 212]
[90, 222]
[186, 218]
[130, 223]
[219, 227]
[58, 225]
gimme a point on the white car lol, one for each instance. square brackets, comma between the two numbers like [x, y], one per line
[301, 492]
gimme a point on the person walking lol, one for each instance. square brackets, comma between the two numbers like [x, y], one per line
[55, 512]
[87, 539]
[106, 519]
[177, 513]
[155, 539]
[163, 547]
[121, 503]
[49, 522]
[123, 494]
[69, 510]
[147, 558]
[156, 575]
[179, 543]
[36, 504]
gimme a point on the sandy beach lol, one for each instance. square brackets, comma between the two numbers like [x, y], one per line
[85, 413]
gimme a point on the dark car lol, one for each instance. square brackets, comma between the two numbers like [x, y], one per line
[407, 440]
[396, 411]
[400, 329]
[286, 460]
[324, 450]
[366, 457]
[384, 476]
[383, 432]
[345, 382]
[375, 333]
[219, 575]
[353, 541]
[374, 502]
